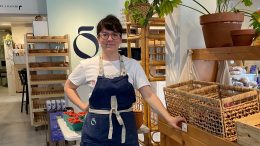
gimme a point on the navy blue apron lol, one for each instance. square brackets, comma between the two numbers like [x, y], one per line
[110, 121]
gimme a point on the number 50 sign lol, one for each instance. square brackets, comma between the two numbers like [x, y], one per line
[83, 31]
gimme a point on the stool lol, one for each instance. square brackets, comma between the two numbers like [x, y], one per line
[3, 77]
[23, 77]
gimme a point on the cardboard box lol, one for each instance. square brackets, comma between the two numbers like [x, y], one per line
[248, 130]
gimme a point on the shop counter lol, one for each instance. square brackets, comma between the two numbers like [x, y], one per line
[68, 134]
[71, 135]
[193, 137]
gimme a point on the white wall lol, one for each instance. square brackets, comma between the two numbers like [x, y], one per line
[19, 30]
[66, 16]
[183, 32]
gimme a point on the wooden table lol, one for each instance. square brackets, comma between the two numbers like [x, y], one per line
[194, 137]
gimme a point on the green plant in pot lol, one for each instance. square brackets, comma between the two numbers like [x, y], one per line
[217, 26]
[140, 11]
[244, 37]
[137, 11]
[255, 23]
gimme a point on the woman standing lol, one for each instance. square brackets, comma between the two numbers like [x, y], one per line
[113, 78]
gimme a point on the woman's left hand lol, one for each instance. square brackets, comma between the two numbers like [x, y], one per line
[175, 122]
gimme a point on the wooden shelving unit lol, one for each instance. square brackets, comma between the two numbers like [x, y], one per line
[46, 81]
[227, 53]
[151, 40]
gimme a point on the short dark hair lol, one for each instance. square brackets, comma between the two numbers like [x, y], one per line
[110, 22]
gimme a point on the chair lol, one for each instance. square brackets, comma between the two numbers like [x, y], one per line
[23, 77]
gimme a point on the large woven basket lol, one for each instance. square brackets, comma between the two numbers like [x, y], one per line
[177, 101]
[143, 8]
[214, 108]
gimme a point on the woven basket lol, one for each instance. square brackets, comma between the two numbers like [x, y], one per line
[176, 100]
[143, 8]
[214, 108]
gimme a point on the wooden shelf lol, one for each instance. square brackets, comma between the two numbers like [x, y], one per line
[193, 137]
[156, 21]
[133, 37]
[38, 110]
[47, 82]
[47, 96]
[48, 54]
[227, 53]
[50, 83]
[157, 63]
[47, 40]
[48, 68]
[156, 36]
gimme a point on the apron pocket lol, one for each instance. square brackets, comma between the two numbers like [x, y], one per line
[95, 128]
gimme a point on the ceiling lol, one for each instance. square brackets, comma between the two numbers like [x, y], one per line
[7, 20]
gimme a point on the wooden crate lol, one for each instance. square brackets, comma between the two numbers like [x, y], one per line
[193, 137]
[248, 130]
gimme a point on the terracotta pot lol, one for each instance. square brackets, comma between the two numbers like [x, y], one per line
[216, 28]
[242, 37]
[138, 118]
[256, 41]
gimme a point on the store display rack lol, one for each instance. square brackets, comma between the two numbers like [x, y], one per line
[48, 65]
[151, 40]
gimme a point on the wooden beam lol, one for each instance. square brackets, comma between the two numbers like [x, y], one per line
[227, 53]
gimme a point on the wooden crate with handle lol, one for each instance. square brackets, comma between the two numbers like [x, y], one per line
[248, 130]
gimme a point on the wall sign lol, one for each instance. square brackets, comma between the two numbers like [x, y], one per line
[23, 7]
[79, 19]
[89, 36]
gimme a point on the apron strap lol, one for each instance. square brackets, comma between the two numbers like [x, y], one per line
[101, 68]
[122, 66]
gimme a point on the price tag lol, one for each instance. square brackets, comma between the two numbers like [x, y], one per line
[184, 127]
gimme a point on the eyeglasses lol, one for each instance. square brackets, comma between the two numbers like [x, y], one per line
[114, 36]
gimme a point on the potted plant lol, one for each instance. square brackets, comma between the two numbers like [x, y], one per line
[140, 11]
[244, 37]
[137, 10]
[217, 26]
[255, 23]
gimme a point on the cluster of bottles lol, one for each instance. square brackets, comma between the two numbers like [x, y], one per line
[55, 105]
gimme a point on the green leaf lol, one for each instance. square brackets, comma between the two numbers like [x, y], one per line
[247, 2]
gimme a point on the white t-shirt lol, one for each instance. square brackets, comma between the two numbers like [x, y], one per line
[88, 70]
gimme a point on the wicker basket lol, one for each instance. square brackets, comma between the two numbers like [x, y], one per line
[214, 108]
[143, 8]
[176, 100]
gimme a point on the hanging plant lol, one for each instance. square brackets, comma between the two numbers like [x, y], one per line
[8, 39]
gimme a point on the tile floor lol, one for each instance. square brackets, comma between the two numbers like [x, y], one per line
[15, 128]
